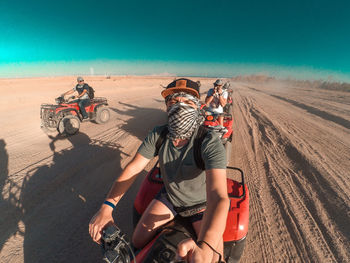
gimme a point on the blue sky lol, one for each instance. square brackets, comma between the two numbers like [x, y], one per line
[300, 38]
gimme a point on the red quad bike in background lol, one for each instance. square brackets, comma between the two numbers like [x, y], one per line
[225, 134]
[65, 116]
[211, 122]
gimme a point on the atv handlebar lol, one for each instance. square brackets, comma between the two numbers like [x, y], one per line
[115, 247]
[61, 99]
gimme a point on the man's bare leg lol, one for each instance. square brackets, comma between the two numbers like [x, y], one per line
[156, 215]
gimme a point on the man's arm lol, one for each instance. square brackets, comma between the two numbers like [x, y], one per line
[213, 223]
[68, 92]
[215, 216]
[222, 99]
[120, 186]
[209, 98]
[84, 91]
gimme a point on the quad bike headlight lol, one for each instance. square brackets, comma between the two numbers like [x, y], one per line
[59, 100]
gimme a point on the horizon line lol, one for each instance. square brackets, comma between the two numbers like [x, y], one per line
[161, 68]
[180, 76]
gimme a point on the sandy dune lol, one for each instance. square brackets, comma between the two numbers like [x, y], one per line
[293, 144]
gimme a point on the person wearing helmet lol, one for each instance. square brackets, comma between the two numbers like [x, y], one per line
[83, 98]
[200, 196]
[216, 100]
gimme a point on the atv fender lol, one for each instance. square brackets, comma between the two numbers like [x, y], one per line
[69, 111]
[100, 105]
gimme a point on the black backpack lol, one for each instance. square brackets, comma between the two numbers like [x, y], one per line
[197, 144]
[91, 92]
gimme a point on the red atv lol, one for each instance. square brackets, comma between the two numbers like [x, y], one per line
[65, 116]
[211, 121]
[225, 133]
[163, 246]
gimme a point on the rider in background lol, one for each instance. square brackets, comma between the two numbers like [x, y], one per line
[226, 86]
[200, 196]
[216, 100]
[83, 96]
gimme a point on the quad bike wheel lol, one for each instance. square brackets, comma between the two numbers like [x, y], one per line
[102, 115]
[47, 128]
[69, 125]
[234, 250]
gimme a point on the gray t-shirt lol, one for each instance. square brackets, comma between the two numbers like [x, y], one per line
[80, 89]
[183, 181]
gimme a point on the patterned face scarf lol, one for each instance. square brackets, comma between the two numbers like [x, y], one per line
[183, 119]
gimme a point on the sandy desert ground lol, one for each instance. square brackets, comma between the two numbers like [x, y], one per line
[292, 142]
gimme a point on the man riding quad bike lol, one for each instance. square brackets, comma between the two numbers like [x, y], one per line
[163, 247]
[195, 193]
[66, 115]
[221, 122]
[85, 93]
[216, 99]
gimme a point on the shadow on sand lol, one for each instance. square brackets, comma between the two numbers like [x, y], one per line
[56, 200]
[7, 200]
[142, 119]
[58, 195]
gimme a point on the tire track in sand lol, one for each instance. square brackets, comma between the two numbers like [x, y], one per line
[244, 156]
[289, 196]
[289, 220]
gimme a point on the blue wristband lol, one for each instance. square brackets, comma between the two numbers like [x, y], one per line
[109, 203]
